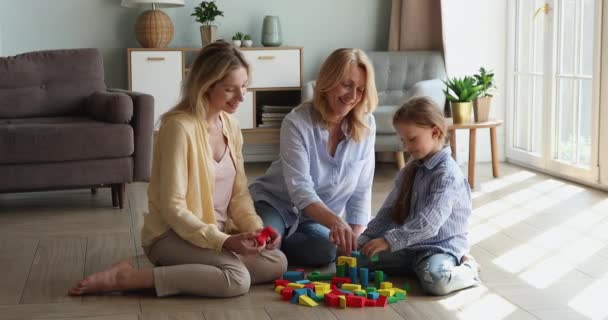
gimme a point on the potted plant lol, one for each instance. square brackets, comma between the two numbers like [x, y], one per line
[461, 92]
[481, 105]
[247, 42]
[205, 13]
[237, 39]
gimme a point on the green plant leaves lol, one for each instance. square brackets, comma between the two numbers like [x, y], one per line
[462, 89]
[206, 12]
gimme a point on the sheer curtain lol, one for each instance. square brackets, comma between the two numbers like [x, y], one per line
[415, 25]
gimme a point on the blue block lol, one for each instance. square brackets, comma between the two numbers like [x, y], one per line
[352, 274]
[293, 276]
[295, 299]
[301, 291]
[311, 293]
[303, 281]
[373, 295]
[355, 254]
[364, 277]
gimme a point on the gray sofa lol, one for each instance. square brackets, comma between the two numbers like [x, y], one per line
[400, 75]
[61, 128]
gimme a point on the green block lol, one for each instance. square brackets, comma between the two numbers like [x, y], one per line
[406, 287]
[400, 295]
[314, 273]
[378, 278]
[374, 258]
[317, 298]
[360, 294]
[370, 289]
[341, 270]
[393, 299]
[321, 277]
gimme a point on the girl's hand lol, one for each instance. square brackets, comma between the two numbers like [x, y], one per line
[342, 236]
[243, 243]
[374, 247]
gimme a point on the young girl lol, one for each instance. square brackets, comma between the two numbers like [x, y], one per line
[422, 225]
[201, 229]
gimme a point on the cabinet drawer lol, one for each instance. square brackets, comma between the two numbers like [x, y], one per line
[158, 73]
[244, 114]
[274, 68]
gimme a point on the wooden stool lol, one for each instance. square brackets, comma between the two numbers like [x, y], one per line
[492, 124]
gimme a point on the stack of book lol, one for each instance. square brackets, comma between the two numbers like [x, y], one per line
[272, 116]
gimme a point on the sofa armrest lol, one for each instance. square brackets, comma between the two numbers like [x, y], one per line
[428, 88]
[143, 128]
[308, 91]
[113, 107]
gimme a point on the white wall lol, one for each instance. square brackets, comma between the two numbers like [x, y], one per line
[475, 35]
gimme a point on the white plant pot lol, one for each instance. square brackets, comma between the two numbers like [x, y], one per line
[236, 43]
[248, 43]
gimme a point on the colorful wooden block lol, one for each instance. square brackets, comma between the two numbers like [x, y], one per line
[393, 299]
[364, 277]
[264, 236]
[386, 285]
[286, 293]
[293, 276]
[355, 301]
[342, 300]
[340, 270]
[373, 295]
[355, 254]
[382, 301]
[278, 289]
[295, 285]
[340, 280]
[307, 301]
[281, 282]
[400, 295]
[371, 289]
[352, 274]
[331, 300]
[351, 287]
[378, 277]
[350, 261]
[386, 292]
[303, 281]
[370, 303]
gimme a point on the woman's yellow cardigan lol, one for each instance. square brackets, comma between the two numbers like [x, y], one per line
[180, 194]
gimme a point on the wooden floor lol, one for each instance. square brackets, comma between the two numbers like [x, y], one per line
[542, 243]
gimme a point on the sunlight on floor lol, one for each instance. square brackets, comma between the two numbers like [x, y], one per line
[463, 298]
[591, 302]
[501, 183]
[490, 304]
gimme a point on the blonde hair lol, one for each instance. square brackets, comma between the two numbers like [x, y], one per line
[214, 62]
[332, 72]
[423, 112]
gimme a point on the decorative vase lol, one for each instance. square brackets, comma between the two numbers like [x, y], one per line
[236, 43]
[461, 112]
[271, 32]
[153, 29]
[481, 108]
[208, 34]
[248, 43]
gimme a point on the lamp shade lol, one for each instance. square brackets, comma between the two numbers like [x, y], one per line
[158, 3]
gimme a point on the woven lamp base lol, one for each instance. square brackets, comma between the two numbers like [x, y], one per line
[153, 29]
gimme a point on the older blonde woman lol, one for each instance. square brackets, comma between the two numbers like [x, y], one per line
[201, 229]
[318, 194]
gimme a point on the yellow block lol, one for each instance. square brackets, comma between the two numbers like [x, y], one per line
[278, 289]
[323, 286]
[350, 261]
[386, 285]
[399, 290]
[351, 286]
[306, 301]
[295, 285]
[321, 292]
[387, 292]
[342, 302]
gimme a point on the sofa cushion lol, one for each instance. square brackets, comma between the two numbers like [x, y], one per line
[38, 140]
[384, 119]
[49, 83]
[114, 107]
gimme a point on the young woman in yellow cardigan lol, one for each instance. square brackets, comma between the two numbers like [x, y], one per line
[201, 229]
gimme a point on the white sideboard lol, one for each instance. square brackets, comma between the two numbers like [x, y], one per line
[276, 78]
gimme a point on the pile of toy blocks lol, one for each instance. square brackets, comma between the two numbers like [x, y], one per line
[349, 286]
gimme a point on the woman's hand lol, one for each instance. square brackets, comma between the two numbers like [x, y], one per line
[342, 236]
[243, 243]
[374, 247]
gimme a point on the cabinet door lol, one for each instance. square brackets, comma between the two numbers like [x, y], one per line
[244, 114]
[158, 73]
[274, 68]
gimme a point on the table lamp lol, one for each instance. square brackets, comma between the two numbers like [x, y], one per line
[153, 28]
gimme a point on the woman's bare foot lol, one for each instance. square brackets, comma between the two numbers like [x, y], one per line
[471, 260]
[121, 276]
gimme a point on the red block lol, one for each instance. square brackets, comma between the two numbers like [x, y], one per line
[337, 280]
[338, 292]
[281, 282]
[382, 301]
[310, 285]
[370, 302]
[264, 236]
[286, 293]
[355, 301]
[332, 300]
